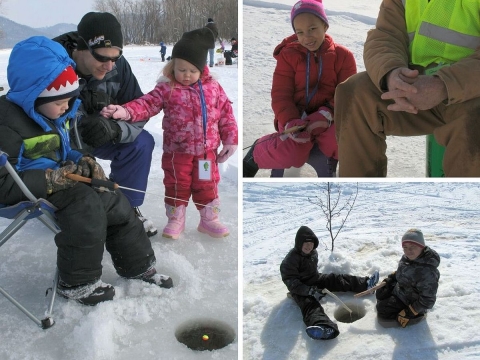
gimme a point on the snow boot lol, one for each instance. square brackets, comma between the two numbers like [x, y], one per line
[152, 277]
[320, 332]
[150, 229]
[176, 221]
[250, 167]
[209, 223]
[87, 294]
[373, 280]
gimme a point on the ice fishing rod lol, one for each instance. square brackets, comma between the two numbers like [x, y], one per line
[108, 185]
[285, 132]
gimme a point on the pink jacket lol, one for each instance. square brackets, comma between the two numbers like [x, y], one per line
[182, 120]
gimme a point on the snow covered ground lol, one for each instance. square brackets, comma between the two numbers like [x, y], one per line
[142, 320]
[266, 24]
[447, 212]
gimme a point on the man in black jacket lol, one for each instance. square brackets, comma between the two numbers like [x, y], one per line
[106, 78]
[300, 274]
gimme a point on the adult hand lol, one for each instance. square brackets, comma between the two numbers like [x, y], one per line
[400, 87]
[94, 100]
[300, 135]
[227, 151]
[88, 167]
[319, 121]
[98, 131]
[431, 91]
[57, 180]
[115, 111]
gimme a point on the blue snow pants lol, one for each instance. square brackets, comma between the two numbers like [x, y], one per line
[130, 164]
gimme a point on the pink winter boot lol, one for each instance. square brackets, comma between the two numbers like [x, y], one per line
[176, 221]
[209, 223]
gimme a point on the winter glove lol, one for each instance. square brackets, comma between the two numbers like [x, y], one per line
[386, 291]
[88, 167]
[227, 151]
[98, 131]
[301, 136]
[116, 111]
[316, 293]
[406, 315]
[94, 100]
[57, 180]
[319, 121]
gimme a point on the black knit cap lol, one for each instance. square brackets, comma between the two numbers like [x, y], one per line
[193, 47]
[99, 30]
[212, 26]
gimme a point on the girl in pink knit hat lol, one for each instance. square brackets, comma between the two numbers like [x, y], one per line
[310, 65]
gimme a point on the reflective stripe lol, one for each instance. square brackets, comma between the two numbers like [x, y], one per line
[441, 31]
[448, 36]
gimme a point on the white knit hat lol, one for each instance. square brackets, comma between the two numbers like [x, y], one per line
[64, 86]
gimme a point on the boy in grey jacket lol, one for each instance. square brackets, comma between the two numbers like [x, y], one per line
[412, 289]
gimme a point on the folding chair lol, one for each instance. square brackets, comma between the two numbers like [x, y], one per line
[21, 213]
[323, 166]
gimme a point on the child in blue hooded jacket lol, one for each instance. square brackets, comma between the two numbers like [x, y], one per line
[34, 117]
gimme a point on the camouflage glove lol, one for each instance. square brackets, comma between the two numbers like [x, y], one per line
[88, 167]
[316, 293]
[98, 131]
[406, 315]
[57, 180]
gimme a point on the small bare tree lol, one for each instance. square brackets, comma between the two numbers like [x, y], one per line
[334, 206]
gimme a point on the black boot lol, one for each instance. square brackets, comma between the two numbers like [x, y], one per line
[250, 167]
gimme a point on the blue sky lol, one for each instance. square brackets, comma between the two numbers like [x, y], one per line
[35, 13]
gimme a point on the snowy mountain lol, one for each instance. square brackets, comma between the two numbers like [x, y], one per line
[448, 214]
[12, 32]
[144, 321]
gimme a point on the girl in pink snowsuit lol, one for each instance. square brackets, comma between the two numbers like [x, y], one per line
[197, 116]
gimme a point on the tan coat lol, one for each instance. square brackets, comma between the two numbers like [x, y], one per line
[386, 48]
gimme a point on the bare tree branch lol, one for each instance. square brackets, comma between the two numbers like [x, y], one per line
[152, 21]
[334, 207]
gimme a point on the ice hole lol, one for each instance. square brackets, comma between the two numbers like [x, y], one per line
[205, 334]
[343, 315]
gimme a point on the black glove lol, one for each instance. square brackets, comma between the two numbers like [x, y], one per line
[88, 167]
[316, 293]
[386, 291]
[406, 315]
[57, 180]
[98, 131]
[94, 100]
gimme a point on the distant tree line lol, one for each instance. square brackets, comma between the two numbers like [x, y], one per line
[166, 20]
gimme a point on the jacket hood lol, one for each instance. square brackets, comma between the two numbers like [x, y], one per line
[428, 257]
[34, 64]
[304, 234]
[292, 42]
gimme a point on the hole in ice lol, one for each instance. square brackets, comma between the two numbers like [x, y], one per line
[343, 315]
[205, 334]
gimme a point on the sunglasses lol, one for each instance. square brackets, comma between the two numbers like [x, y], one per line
[102, 58]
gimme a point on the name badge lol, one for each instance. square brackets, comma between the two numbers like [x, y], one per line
[205, 170]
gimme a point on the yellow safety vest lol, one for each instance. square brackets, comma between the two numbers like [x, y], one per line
[442, 31]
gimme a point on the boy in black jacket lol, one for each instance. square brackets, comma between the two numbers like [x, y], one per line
[300, 275]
